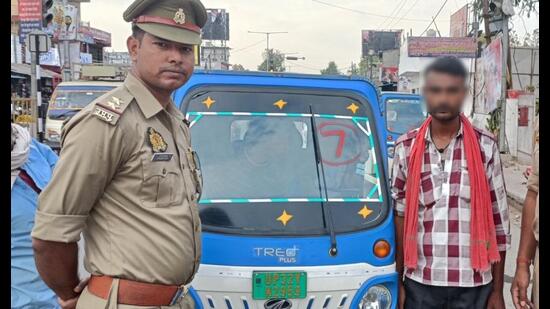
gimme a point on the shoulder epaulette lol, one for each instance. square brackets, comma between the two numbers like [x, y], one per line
[111, 106]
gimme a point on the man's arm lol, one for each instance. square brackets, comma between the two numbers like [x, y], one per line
[91, 153]
[57, 264]
[501, 220]
[528, 243]
[399, 223]
[497, 270]
[499, 200]
[398, 196]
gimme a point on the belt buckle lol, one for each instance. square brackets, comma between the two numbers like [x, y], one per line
[181, 292]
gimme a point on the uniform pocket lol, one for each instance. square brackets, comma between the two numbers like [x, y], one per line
[162, 185]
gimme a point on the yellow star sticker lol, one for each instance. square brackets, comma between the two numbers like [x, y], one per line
[284, 218]
[353, 108]
[365, 212]
[280, 104]
[208, 102]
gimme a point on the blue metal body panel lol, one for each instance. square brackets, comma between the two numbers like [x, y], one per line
[395, 95]
[357, 247]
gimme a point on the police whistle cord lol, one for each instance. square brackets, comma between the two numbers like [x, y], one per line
[327, 212]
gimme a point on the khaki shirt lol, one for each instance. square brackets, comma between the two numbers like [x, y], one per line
[139, 216]
[533, 181]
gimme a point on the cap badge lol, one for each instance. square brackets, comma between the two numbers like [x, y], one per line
[179, 17]
[156, 140]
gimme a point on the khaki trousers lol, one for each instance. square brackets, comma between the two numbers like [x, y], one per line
[89, 301]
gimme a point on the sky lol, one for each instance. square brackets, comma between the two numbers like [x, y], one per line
[316, 31]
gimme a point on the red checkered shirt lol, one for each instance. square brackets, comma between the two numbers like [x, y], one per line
[444, 208]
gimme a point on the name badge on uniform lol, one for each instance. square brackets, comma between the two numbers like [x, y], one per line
[162, 156]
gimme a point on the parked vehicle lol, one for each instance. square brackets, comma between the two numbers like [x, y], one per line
[403, 112]
[292, 216]
[68, 99]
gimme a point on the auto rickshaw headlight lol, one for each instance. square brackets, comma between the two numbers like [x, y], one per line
[377, 296]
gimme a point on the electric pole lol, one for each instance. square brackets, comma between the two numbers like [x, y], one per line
[267, 35]
[37, 42]
[505, 47]
[486, 21]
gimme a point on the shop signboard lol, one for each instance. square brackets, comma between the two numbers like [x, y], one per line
[492, 74]
[442, 46]
[30, 17]
[389, 74]
[459, 23]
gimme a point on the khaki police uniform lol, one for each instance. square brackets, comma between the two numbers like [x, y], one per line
[128, 179]
[533, 185]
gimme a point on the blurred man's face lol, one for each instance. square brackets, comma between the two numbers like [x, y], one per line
[444, 95]
[162, 64]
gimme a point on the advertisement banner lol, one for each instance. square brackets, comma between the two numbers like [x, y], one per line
[58, 20]
[378, 41]
[217, 25]
[51, 58]
[492, 75]
[459, 23]
[403, 85]
[30, 17]
[436, 47]
[16, 50]
[479, 99]
[389, 74]
[85, 58]
[69, 27]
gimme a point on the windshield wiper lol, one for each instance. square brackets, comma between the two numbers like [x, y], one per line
[327, 212]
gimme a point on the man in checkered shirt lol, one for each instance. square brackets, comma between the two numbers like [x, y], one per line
[444, 277]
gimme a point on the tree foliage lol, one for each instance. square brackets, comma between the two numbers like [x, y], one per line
[238, 67]
[529, 40]
[276, 61]
[331, 69]
[527, 7]
[522, 7]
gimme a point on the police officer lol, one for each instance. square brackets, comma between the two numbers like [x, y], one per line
[127, 178]
[528, 251]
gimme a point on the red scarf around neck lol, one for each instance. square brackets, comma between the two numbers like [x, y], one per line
[483, 242]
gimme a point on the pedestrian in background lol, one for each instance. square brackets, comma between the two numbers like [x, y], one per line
[127, 178]
[528, 252]
[31, 168]
[452, 226]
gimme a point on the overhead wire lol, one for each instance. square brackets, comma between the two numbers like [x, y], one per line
[391, 15]
[363, 12]
[440, 9]
[397, 13]
[406, 13]
[247, 47]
